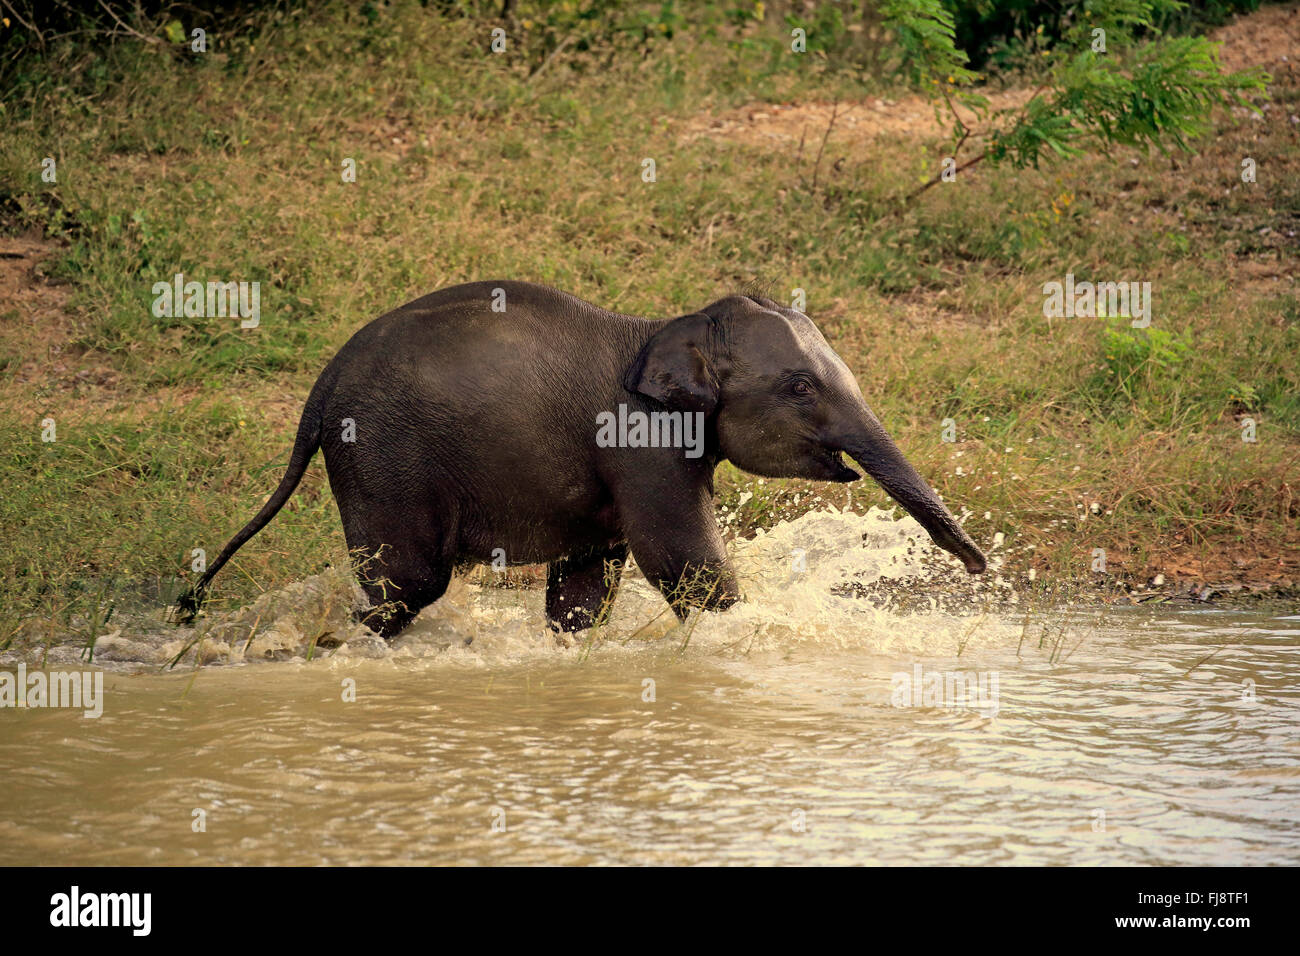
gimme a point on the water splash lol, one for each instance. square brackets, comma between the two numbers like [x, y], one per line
[849, 580]
[829, 578]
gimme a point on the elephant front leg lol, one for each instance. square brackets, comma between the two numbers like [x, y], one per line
[580, 589]
[683, 556]
[706, 584]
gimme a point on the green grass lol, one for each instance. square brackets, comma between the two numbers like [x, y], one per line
[226, 166]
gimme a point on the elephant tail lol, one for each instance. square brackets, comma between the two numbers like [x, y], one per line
[304, 447]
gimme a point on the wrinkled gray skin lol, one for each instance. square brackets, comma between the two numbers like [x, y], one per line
[476, 430]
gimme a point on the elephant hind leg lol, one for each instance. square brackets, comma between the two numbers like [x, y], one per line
[580, 589]
[401, 561]
[399, 587]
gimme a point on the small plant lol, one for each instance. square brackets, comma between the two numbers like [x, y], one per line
[1134, 356]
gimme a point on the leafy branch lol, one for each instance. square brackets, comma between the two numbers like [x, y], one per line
[1112, 80]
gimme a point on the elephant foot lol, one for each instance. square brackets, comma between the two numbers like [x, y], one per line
[708, 589]
[403, 591]
[580, 589]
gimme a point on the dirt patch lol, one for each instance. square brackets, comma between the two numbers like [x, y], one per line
[45, 373]
[783, 125]
[37, 329]
[32, 306]
[1269, 37]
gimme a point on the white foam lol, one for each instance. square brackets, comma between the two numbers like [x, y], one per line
[829, 578]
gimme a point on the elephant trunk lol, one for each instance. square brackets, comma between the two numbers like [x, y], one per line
[881, 459]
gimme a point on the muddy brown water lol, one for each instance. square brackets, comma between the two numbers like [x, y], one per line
[792, 729]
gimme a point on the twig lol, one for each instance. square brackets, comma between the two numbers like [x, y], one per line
[966, 132]
[545, 63]
[1215, 653]
[939, 177]
[39, 38]
[829, 126]
[135, 33]
[798, 159]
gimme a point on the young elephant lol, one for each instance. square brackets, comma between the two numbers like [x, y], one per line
[506, 417]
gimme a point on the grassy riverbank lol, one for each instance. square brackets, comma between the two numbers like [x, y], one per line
[1071, 434]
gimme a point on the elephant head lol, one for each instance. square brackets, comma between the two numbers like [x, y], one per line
[784, 405]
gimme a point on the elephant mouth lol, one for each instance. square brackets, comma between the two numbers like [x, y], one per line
[834, 460]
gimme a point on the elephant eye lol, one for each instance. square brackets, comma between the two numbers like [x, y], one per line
[800, 387]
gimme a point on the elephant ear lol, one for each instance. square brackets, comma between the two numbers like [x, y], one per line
[674, 367]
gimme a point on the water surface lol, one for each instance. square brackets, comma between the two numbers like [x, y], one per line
[770, 734]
